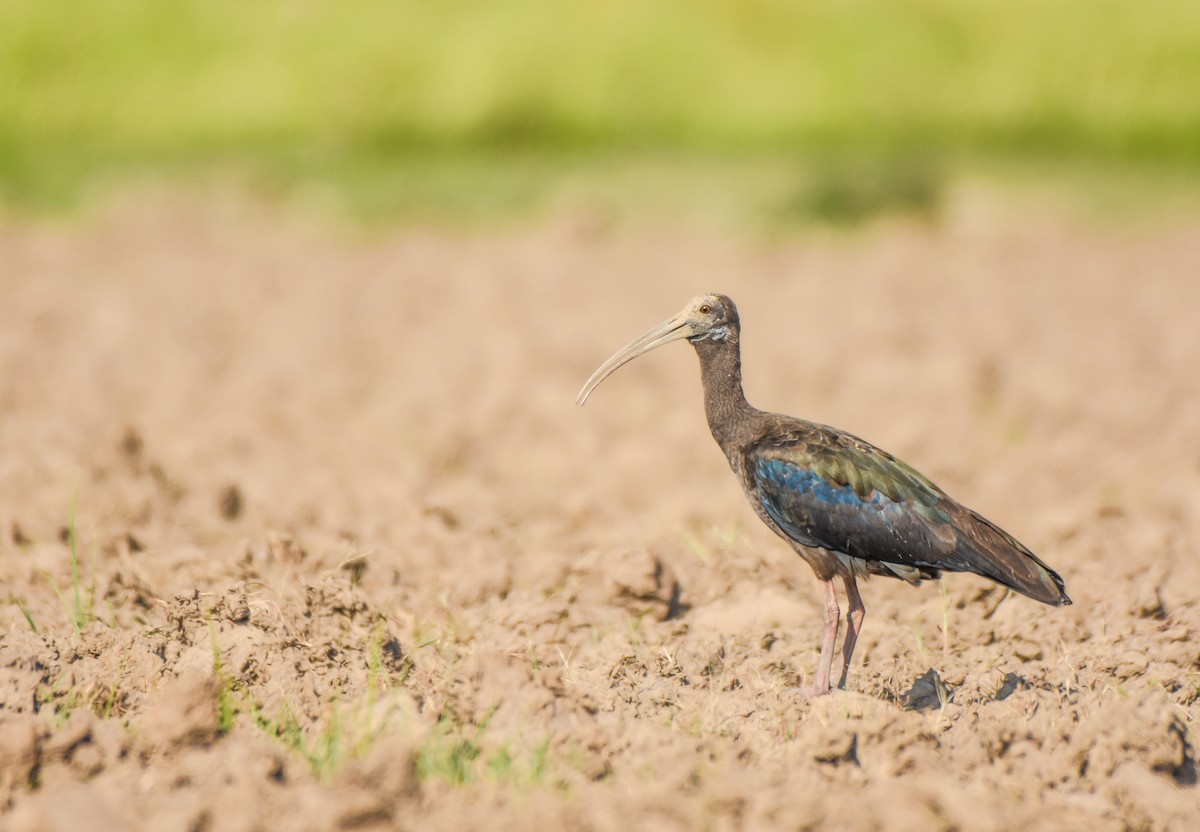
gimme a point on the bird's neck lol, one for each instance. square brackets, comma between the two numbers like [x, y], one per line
[725, 404]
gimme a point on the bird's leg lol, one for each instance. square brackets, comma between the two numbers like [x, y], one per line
[820, 685]
[854, 620]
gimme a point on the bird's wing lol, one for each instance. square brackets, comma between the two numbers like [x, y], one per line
[831, 490]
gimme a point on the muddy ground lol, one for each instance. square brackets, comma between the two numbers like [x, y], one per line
[348, 556]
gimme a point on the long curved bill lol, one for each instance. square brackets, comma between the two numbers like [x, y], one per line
[669, 330]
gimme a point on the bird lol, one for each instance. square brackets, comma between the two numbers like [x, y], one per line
[849, 509]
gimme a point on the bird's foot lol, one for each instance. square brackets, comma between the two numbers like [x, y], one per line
[812, 691]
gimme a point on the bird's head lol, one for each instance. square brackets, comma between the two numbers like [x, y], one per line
[707, 317]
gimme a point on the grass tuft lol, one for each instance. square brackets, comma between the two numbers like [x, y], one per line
[341, 736]
[458, 753]
[80, 609]
[24, 612]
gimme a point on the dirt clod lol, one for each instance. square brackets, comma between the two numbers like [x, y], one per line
[230, 502]
[185, 712]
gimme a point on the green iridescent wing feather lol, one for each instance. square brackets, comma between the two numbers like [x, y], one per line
[830, 490]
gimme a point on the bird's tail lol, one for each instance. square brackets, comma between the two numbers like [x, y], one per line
[988, 550]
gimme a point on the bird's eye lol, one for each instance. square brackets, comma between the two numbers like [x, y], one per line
[705, 309]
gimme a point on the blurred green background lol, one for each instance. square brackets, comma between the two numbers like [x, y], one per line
[478, 108]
